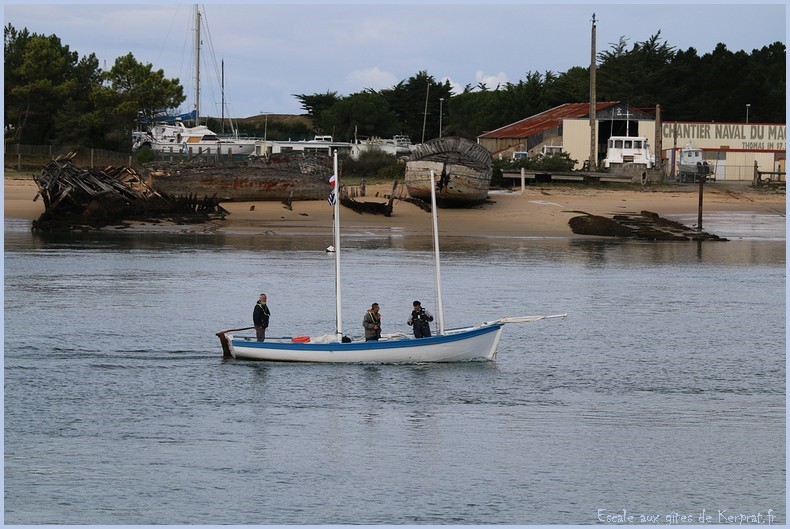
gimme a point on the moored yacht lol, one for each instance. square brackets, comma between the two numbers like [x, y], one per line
[177, 139]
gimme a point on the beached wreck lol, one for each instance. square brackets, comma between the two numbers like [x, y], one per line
[348, 198]
[286, 176]
[76, 198]
[463, 169]
[644, 225]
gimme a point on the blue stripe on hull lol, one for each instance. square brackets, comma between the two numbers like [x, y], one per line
[455, 346]
[365, 346]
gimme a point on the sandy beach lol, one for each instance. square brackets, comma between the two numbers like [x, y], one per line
[541, 211]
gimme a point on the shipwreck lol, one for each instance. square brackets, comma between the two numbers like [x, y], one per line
[462, 168]
[80, 199]
[287, 176]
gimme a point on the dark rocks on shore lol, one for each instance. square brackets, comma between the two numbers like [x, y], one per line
[644, 225]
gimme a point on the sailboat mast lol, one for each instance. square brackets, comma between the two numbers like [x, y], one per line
[437, 268]
[223, 96]
[197, 65]
[338, 312]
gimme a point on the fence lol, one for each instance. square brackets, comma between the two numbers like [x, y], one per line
[25, 157]
[732, 173]
[21, 157]
[720, 172]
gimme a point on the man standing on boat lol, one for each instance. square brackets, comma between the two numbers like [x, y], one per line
[420, 319]
[260, 318]
[372, 323]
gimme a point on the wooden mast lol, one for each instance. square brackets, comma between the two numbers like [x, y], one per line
[437, 269]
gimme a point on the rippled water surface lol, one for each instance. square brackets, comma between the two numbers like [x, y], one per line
[663, 391]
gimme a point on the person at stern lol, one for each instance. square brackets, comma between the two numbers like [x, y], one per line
[260, 318]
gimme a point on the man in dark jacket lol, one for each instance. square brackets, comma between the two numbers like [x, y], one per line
[420, 319]
[260, 318]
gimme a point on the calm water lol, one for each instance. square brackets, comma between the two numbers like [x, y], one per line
[663, 391]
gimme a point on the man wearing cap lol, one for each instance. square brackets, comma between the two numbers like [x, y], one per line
[420, 320]
[372, 323]
[260, 318]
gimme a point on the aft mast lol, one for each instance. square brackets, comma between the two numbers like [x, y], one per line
[336, 204]
[437, 269]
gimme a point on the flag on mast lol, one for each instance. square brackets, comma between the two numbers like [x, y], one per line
[333, 194]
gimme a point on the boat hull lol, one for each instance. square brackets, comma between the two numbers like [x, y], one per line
[222, 149]
[464, 185]
[692, 173]
[476, 343]
[282, 177]
[462, 168]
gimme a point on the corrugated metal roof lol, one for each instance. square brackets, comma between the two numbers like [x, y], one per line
[546, 120]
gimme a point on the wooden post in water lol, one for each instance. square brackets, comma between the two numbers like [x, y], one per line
[699, 208]
[593, 146]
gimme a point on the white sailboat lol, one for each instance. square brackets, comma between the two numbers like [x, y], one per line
[173, 137]
[478, 342]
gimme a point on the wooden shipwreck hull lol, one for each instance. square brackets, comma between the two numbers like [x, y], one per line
[79, 199]
[462, 170]
[293, 176]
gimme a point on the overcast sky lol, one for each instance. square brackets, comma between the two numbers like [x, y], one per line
[274, 50]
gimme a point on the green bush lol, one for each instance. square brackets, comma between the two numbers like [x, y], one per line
[144, 155]
[555, 163]
[393, 171]
[373, 165]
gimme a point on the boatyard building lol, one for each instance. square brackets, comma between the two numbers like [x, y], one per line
[732, 150]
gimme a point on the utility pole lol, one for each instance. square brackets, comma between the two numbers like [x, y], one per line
[425, 114]
[593, 151]
[441, 104]
[659, 150]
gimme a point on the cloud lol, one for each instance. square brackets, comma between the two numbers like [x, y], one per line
[347, 47]
[456, 88]
[490, 81]
[374, 78]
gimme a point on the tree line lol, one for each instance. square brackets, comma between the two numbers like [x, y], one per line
[53, 96]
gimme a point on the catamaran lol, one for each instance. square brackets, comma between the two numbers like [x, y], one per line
[478, 342]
